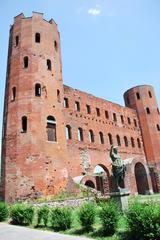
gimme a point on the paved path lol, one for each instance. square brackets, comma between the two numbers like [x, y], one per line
[11, 232]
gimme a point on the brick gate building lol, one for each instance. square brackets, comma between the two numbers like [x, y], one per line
[53, 134]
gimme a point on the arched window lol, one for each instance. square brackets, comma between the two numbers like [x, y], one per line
[13, 93]
[138, 143]
[25, 62]
[101, 138]
[110, 139]
[148, 110]
[91, 136]
[129, 120]
[80, 134]
[58, 95]
[158, 127]
[55, 45]
[68, 132]
[150, 94]
[125, 141]
[24, 124]
[37, 38]
[135, 123]
[118, 140]
[106, 114]
[138, 95]
[37, 90]
[122, 119]
[49, 65]
[51, 129]
[114, 117]
[132, 142]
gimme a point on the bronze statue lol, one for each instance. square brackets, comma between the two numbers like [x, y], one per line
[118, 166]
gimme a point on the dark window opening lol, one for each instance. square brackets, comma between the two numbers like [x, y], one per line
[25, 62]
[114, 117]
[65, 103]
[49, 65]
[17, 40]
[110, 139]
[13, 93]
[97, 112]
[132, 142]
[125, 141]
[37, 38]
[77, 106]
[138, 143]
[106, 114]
[122, 119]
[58, 95]
[80, 134]
[51, 129]
[129, 120]
[24, 124]
[158, 127]
[150, 94]
[88, 109]
[128, 101]
[135, 123]
[158, 110]
[91, 136]
[68, 132]
[55, 45]
[118, 140]
[138, 95]
[148, 110]
[101, 138]
[37, 90]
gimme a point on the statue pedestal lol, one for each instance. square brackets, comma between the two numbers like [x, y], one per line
[121, 198]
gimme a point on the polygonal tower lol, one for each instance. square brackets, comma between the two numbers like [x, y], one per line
[34, 143]
[143, 100]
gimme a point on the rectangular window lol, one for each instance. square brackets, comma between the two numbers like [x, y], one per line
[106, 114]
[114, 117]
[88, 109]
[98, 112]
[65, 103]
[51, 129]
[122, 119]
[77, 106]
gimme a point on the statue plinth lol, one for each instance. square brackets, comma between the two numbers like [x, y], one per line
[121, 198]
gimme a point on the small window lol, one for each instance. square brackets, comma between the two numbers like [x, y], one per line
[65, 103]
[128, 101]
[118, 140]
[91, 136]
[88, 109]
[158, 110]
[25, 62]
[122, 119]
[110, 139]
[138, 143]
[125, 141]
[17, 40]
[148, 110]
[49, 65]
[150, 94]
[138, 95]
[51, 129]
[58, 96]
[135, 122]
[37, 38]
[114, 117]
[77, 106]
[55, 45]
[97, 112]
[106, 114]
[158, 127]
[37, 90]
[24, 124]
[129, 120]
[80, 134]
[132, 142]
[13, 93]
[68, 132]
[101, 138]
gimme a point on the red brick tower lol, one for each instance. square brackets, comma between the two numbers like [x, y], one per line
[143, 100]
[34, 143]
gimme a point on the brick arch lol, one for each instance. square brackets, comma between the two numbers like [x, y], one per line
[141, 178]
[88, 178]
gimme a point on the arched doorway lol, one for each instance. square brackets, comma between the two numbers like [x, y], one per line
[90, 184]
[102, 177]
[141, 179]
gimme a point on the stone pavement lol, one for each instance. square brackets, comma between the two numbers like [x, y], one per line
[11, 232]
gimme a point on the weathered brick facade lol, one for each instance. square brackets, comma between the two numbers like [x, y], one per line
[53, 133]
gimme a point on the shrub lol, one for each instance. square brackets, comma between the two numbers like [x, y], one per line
[61, 218]
[43, 214]
[3, 211]
[86, 215]
[144, 221]
[109, 214]
[22, 214]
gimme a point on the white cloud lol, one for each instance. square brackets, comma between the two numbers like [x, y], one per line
[94, 11]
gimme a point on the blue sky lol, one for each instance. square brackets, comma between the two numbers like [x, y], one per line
[108, 46]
